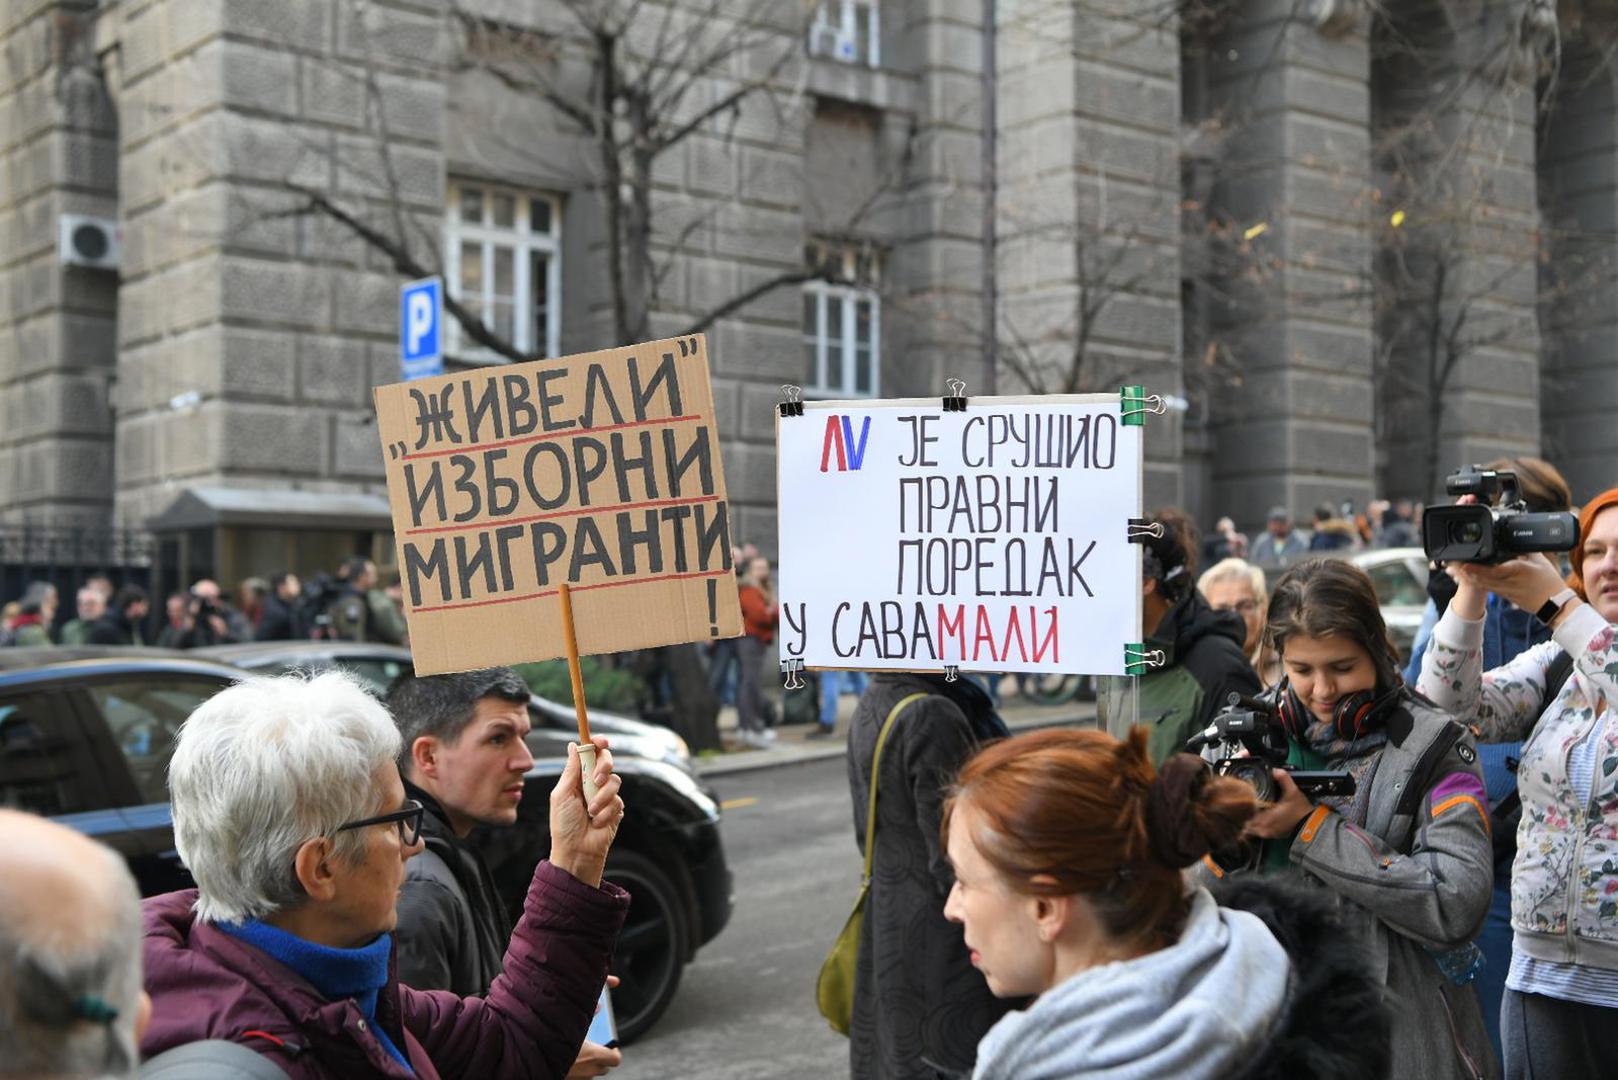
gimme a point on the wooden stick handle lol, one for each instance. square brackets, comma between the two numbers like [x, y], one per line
[573, 670]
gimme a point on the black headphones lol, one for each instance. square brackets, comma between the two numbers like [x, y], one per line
[1354, 715]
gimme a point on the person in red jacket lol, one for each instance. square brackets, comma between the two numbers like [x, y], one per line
[289, 812]
[760, 615]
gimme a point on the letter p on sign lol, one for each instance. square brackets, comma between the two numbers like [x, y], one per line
[421, 325]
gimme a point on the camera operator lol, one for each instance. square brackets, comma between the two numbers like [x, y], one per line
[1562, 989]
[1507, 632]
[1408, 852]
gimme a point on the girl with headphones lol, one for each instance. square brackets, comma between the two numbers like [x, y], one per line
[1408, 853]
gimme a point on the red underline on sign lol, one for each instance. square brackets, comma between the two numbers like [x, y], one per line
[603, 509]
[577, 588]
[562, 434]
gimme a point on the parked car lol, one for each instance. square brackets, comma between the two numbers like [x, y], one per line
[378, 665]
[1399, 576]
[86, 735]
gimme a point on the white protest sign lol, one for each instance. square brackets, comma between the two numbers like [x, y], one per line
[995, 539]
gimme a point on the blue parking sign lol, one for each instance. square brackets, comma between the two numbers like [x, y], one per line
[421, 328]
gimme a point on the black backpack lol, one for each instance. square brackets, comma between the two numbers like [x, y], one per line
[1507, 813]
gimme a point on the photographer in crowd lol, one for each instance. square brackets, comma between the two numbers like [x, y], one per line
[1408, 852]
[290, 814]
[1508, 631]
[1562, 990]
[1067, 849]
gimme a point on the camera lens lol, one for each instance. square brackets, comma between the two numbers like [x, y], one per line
[1465, 532]
[1255, 772]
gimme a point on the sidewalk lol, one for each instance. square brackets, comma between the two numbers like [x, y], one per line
[793, 747]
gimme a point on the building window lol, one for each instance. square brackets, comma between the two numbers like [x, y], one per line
[847, 30]
[503, 261]
[842, 331]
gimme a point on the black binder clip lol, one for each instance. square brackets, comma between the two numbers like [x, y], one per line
[956, 401]
[952, 673]
[793, 405]
[793, 670]
[1141, 528]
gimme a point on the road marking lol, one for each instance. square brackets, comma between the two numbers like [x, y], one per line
[737, 804]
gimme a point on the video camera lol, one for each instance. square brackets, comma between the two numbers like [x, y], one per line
[1255, 726]
[1497, 527]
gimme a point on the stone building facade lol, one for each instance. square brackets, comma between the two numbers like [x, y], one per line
[1354, 251]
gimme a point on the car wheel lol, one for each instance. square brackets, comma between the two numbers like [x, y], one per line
[652, 947]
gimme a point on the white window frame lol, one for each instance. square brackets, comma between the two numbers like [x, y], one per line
[524, 243]
[842, 16]
[850, 295]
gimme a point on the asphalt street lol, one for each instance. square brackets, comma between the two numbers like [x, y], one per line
[746, 1006]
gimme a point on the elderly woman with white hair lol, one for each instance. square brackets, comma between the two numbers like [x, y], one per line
[1237, 585]
[289, 812]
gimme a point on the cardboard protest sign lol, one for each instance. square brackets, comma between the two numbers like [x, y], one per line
[995, 539]
[600, 470]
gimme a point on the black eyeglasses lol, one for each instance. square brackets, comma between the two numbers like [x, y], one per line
[409, 820]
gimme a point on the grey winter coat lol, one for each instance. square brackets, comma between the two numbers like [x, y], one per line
[1417, 876]
[920, 1007]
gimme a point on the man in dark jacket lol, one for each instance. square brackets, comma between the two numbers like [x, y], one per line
[1203, 659]
[920, 1007]
[462, 755]
[120, 623]
[281, 619]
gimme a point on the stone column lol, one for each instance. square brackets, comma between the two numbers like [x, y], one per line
[1088, 209]
[248, 340]
[1288, 113]
[1578, 176]
[57, 137]
[1457, 282]
[934, 288]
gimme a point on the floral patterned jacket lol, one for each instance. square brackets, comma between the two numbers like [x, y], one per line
[1564, 883]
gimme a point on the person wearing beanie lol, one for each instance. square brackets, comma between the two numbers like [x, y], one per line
[1068, 848]
[1562, 988]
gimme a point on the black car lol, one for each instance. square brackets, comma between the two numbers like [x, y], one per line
[86, 735]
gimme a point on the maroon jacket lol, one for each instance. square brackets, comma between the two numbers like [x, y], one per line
[206, 984]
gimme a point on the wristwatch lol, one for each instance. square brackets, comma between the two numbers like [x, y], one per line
[1552, 607]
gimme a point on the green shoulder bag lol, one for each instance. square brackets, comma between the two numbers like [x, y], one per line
[834, 992]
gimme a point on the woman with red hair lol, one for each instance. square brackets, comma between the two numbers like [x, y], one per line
[1068, 849]
[1562, 990]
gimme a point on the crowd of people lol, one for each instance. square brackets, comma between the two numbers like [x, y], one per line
[1075, 903]
[1383, 524]
[1051, 905]
[351, 605]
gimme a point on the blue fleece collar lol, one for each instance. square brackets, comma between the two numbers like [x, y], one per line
[359, 974]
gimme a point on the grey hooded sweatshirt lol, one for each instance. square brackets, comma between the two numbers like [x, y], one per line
[1201, 1008]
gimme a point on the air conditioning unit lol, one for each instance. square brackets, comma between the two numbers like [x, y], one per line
[833, 42]
[90, 242]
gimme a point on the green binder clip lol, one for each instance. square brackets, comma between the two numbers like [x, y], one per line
[1134, 402]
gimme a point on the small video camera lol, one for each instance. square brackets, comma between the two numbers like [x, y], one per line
[1248, 724]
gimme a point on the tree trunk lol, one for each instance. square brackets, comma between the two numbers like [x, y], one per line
[694, 708]
[612, 186]
[639, 251]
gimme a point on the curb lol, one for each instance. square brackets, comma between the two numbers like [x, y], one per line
[803, 754]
